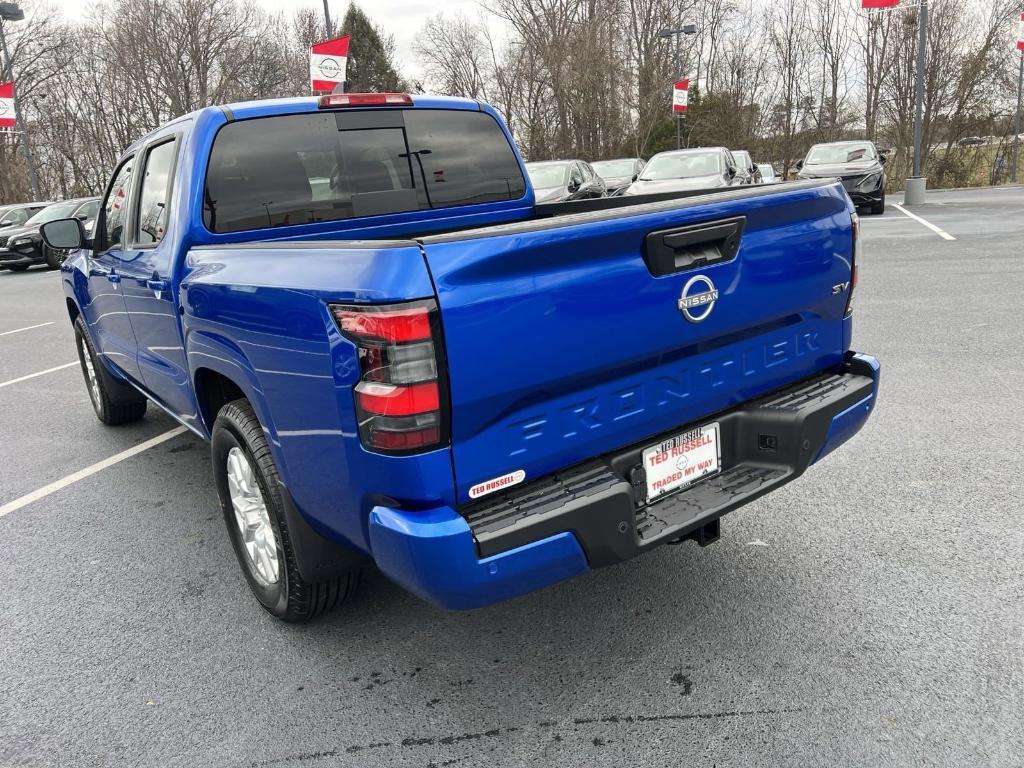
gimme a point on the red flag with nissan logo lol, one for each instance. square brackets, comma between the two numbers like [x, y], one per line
[680, 96]
[1020, 34]
[7, 105]
[869, 4]
[327, 62]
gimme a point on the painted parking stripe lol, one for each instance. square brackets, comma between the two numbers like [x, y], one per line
[940, 232]
[81, 474]
[37, 373]
[26, 328]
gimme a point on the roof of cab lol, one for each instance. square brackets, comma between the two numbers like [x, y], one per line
[268, 107]
[299, 104]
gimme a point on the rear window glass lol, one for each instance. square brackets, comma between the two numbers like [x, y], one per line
[324, 166]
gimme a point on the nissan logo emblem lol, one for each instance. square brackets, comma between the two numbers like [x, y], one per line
[694, 299]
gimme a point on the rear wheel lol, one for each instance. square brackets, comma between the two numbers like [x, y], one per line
[113, 401]
[879, 207]
[250, 497]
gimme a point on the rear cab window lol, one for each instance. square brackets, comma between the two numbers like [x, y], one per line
[326, 166]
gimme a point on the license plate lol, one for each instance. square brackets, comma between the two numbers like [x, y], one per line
[682, 460]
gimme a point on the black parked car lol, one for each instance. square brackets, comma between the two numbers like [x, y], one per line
[619, 174]
[857, 163]
[21, 247]
[686, 169]
[17, 214]
[558, 180]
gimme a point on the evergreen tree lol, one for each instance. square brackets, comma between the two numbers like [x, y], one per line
[371, 55]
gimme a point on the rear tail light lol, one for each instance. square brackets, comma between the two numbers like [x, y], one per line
[853, 264]
[401, 397]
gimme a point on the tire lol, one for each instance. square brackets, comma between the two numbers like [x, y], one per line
[879, 207]
[113, 401]
[54, 259]
[268, 560]
[18, 267]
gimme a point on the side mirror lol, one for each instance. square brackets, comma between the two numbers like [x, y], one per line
[636, 176]
[881, 159]
[63, 234]
[574, 185]
[731, 171]
[799, 164]
[752, 169]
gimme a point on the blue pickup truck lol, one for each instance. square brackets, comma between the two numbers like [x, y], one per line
[397, 356]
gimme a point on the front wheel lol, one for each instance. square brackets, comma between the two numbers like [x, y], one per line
[250, 497]
[879, 207]
[53, 258]
[114, 402]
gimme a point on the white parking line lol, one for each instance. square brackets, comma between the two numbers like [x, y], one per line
[940, 232]
[26, 328]
[39, 373]
[81, 474]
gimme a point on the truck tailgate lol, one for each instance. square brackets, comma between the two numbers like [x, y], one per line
[567, 338]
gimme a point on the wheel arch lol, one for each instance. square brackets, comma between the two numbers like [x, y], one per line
[73, 311]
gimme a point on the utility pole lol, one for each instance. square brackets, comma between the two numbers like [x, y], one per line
[11, 12]
[327, 21]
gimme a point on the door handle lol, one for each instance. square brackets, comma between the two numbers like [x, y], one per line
[114, 277]
[156, 285]
[668, 251]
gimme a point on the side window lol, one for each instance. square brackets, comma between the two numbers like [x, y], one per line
[20, 216]
[154, 193]
[88, 211]
[115, 206]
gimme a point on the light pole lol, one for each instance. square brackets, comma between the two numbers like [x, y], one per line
[327, 20]
[11, 12]
[1016, 118]
[677, 32]
[916, 183]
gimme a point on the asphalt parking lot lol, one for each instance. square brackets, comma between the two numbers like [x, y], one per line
[870, 614]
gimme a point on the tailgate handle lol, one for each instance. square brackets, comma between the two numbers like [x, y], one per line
[668, 251]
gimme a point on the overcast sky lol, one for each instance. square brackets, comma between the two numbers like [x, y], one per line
[402, 18]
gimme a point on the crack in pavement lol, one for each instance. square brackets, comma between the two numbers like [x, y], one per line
[491, 733]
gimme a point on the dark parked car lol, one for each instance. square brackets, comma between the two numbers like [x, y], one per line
[558, 180]
[857, 163]
[685, 169]
[619, 174]
[18, 214]
[21, 247]
[745, 165]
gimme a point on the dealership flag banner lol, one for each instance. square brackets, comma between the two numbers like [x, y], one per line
[327, 62]
[7, 105]
[869, 4]
[680, 95]
[1020, 34]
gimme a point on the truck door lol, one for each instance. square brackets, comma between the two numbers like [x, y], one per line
[146, 280]
[105, 313]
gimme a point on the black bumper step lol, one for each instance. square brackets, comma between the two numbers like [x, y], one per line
[766, 443]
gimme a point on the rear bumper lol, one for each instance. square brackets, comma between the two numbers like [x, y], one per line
[587, 516]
